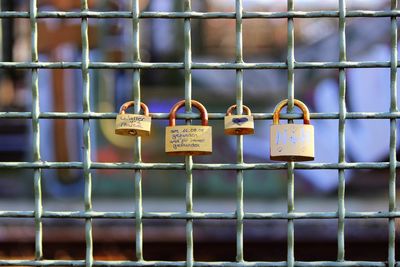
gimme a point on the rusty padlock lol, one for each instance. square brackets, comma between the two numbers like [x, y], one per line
[239, 124]
[188, 139]
[292, 142]
[133, 124]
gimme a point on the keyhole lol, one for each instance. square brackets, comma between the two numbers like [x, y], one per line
[132, 132]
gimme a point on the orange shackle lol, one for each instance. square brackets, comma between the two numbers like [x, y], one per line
[233, 107]
[198, 105]
[129, 104]
[298, 103]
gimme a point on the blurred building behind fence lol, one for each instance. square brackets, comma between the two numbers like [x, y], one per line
[213, 40]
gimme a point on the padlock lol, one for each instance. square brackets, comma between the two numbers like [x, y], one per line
[239, 124]
[133, 124]
[292, 142]
[188, 139]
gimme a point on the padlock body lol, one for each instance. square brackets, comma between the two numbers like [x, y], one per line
[133, 125]
[188, 140]
[292, 142]
[239, 124]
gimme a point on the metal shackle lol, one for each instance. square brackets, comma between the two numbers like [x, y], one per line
[198, 105]
[233, 107]
[129, 104]
[298, 103]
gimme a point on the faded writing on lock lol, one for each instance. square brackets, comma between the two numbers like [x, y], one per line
[186, 138]
[131, 121]
[292, 137]
[131, 124]
[132, 118]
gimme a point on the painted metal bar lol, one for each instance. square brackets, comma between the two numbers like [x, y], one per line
[290, 209]
[189, 209]
[200, 15]
[290, 165]
[201, 215]
[36, 133]
[239, 138]
[197, 166]
[195, 65]
[76, 263]
[342, 135]
[187, 36]
[192, 116]
[137, 153]
[86, 136]
[393, 140]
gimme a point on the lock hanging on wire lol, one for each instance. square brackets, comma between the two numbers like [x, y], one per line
[238, 124]
[188, 139]
[292, 142]
[133, 124]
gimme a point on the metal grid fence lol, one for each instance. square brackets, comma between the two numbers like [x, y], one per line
[240, 166]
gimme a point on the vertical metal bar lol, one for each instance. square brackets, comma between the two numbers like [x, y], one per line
[239, 138]
[188, 56]
[188, 107]
[137, 148]
[393, 138]
[290, 56]
[36, 132]
[189, 208]
[86, 134]
[342, 135]
[290, 166]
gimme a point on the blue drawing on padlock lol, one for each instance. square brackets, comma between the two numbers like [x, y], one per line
[304, 137]
[280, 138]
[240, 121]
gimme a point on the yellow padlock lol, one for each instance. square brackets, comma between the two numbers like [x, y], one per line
[238, 124]
[133, 124]
[292, 142]
[188, 139]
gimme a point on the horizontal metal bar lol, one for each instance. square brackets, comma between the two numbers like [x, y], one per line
[211, 116]
[199, 15]
[321, 14]
[195, 65]
[196, 166]
[201, 215]
[74, 263]
[92, 65]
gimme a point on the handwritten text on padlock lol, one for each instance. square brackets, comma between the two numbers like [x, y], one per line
[188, 137]
[131, 121]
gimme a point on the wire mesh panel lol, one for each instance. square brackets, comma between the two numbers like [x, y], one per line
[87, 116]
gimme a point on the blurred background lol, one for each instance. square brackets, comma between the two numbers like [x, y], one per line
[213, 40]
